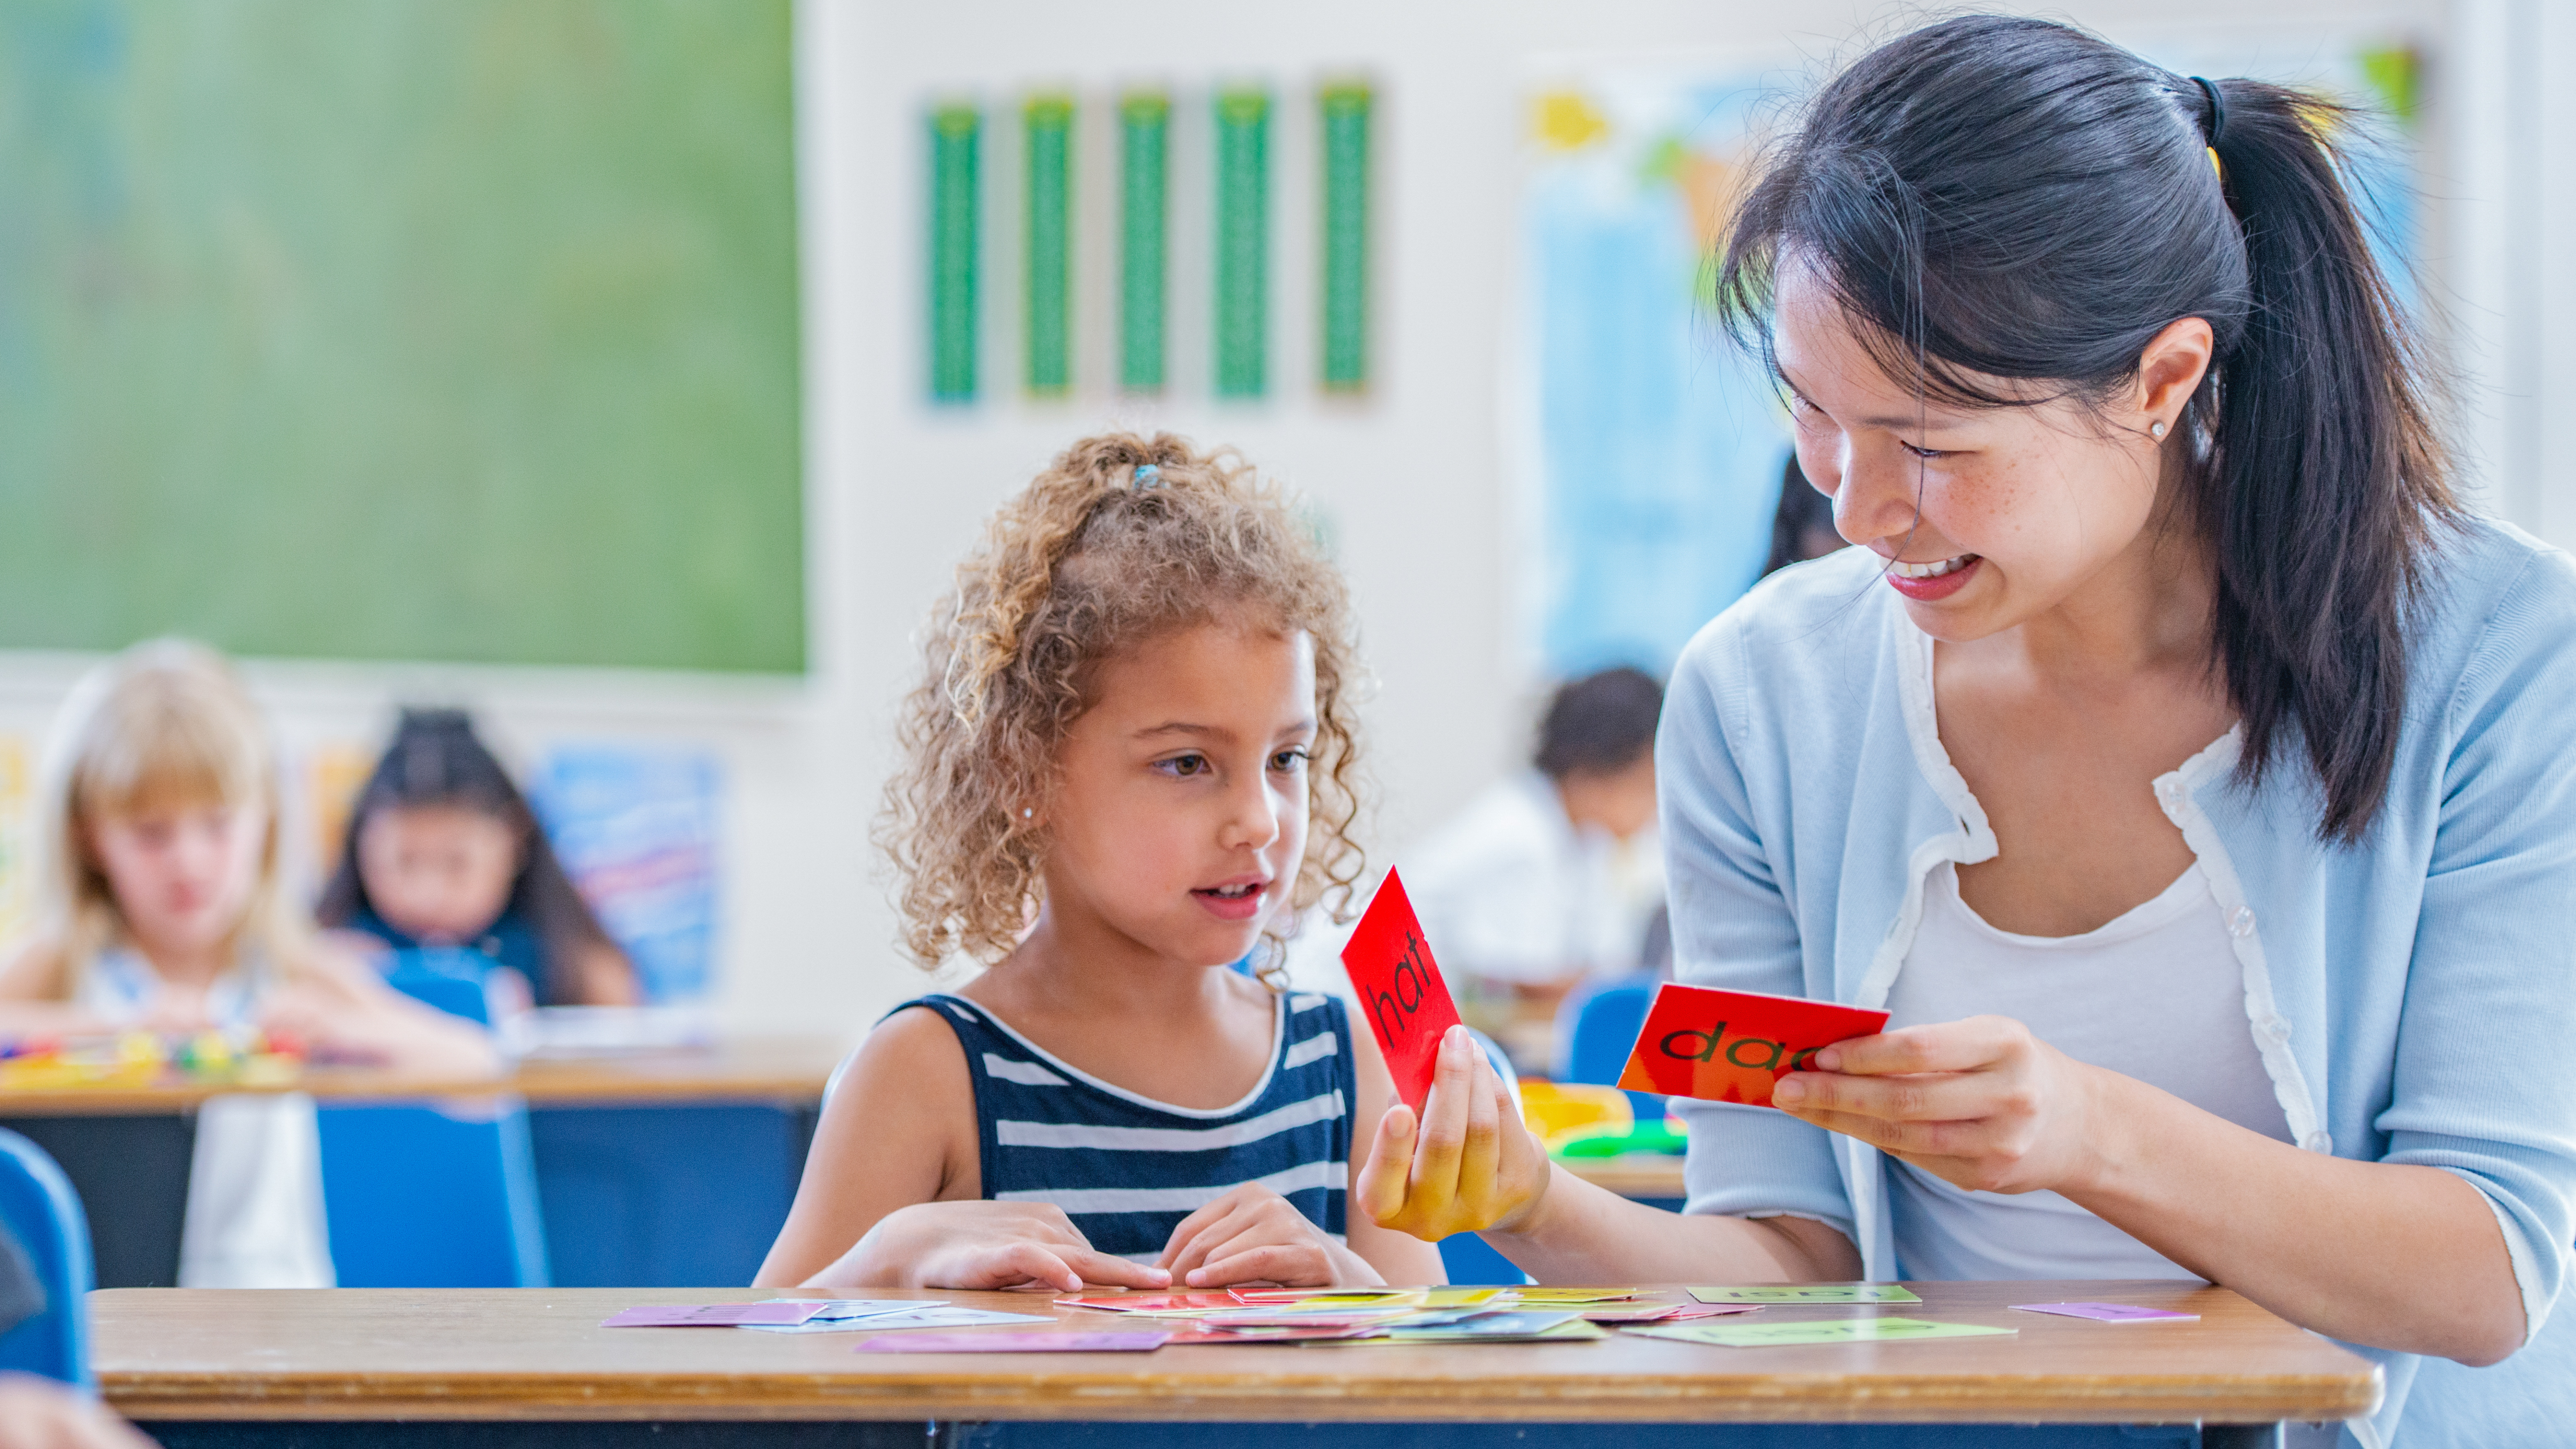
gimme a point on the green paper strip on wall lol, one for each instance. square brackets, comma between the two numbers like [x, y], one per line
[1144, 232]
[1049, 249]
[1345, 112]
[1242, 243]
[955, 131]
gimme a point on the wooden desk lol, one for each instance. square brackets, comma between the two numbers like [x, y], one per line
[746, 1069]
[514, 1356]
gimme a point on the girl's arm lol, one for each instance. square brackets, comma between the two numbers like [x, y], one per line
[31, 991]
[1475, 1167]
[893, 1185]
[602, 976]
[1254, 1235]
[336, 1003]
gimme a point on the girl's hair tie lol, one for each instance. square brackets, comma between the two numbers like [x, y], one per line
[2217, 123]
[1148, 475]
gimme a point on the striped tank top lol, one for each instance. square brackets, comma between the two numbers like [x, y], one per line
[1127, 1168]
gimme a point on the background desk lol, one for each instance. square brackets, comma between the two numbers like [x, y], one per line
[668, 1168]
[205, 1369]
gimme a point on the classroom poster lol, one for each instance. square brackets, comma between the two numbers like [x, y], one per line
[1648, 447]
[636, 829]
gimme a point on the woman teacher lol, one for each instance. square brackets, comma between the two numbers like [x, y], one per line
[2176, 760]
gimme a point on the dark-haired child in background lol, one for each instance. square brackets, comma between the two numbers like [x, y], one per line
[443, 851]
[1552, 874]
[1802, 527]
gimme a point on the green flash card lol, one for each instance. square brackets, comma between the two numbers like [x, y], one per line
[1844, 1330]
[1809, 1293]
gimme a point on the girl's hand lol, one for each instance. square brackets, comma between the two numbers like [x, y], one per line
[1474, 1166]
[981, 1245]
[1253, 1235]
[1981, 1103]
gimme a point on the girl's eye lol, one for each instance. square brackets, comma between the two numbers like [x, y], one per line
[1289, 761]
[1186, 766]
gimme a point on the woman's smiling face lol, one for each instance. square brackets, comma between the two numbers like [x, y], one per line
[1988, 516]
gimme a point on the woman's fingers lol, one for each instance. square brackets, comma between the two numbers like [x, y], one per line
[1932, 1097]
[1949, 1046]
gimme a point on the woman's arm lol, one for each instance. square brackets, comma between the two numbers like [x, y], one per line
[2388, 1254]
[892, 1190]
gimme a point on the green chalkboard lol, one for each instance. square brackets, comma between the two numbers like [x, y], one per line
[402, 329]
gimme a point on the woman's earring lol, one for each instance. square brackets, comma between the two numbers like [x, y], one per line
[1028, 812]
[2156, 431]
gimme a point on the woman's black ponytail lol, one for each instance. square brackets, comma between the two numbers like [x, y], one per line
[2007, 199]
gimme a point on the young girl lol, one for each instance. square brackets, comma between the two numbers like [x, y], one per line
[160, 910]
[2176, 760]
[1133, 703]
[442, 850]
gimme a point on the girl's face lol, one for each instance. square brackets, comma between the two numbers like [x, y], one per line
[183, 877]
[440, 874]
[1179, 814]
[1989, 516]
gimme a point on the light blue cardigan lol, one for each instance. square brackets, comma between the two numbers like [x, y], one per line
[2413, 998]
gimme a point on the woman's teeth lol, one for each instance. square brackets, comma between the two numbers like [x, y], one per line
[1930, 570]
[1234, 892]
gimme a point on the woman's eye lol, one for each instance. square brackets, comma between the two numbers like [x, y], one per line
[1923, 453]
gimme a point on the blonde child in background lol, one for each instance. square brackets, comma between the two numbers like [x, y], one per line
[160, 910]
[1134, 703]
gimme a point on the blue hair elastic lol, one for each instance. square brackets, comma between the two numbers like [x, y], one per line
[1147, 476]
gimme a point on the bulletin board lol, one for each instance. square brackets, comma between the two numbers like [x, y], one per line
[402, 329]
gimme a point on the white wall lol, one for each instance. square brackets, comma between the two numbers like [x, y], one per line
[1412, 477]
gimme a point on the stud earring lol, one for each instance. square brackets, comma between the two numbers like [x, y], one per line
[2156, 431]
[1028, 812]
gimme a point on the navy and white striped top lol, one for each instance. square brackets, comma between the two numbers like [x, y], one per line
[1127, 1168]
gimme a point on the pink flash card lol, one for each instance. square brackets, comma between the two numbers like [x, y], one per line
[713, 1315]
[1017, 1343]
[1400, 990]
[1152, 1302]
[2109, 1312]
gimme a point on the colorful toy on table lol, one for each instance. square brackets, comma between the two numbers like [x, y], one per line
[1577, 1120]
[243, 1056]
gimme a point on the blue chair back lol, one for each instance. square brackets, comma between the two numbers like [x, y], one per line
[433, 1197]
[1606, 1022]
[39, 1209]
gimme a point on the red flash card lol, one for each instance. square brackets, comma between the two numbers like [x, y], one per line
[1731, 1046]
[1401, 993]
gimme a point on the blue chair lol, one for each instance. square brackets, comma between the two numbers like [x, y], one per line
[39, 1209]
[433, 1197]
[1607, 1019]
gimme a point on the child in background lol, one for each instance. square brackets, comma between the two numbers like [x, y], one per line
[442, 850]
[1134, 699]
[160, 910]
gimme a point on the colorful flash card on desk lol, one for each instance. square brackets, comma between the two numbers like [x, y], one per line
[1809, 1293]
[2109, 1312]
[1847, 1330]
[713, 1315]
[1018, 1343]
[1732, 1046]
[1400, 990]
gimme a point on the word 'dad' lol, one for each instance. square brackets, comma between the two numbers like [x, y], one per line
[1732, 1046]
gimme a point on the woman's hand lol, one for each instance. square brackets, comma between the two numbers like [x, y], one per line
[1253, 1235]
[981, 1245]
[1467, 1166]
[1981, 1103]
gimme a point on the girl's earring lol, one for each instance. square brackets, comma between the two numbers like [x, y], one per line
[2157, 431]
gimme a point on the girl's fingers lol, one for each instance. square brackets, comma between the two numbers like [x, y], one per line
[1196, 1223]
[1005, 1264]
[1093, 1266]
[1210, 1239]
[1444, 1120]
[1477, 1164]
[1383, 1177]
[1293, 1265]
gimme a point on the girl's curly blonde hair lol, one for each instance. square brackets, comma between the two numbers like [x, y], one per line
[1122, 538]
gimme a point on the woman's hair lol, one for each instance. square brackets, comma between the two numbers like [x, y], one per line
[436, 759]
[1801, 513]
[163, 726]
[1121, 539]
[1599, 724]
[2009, 210]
